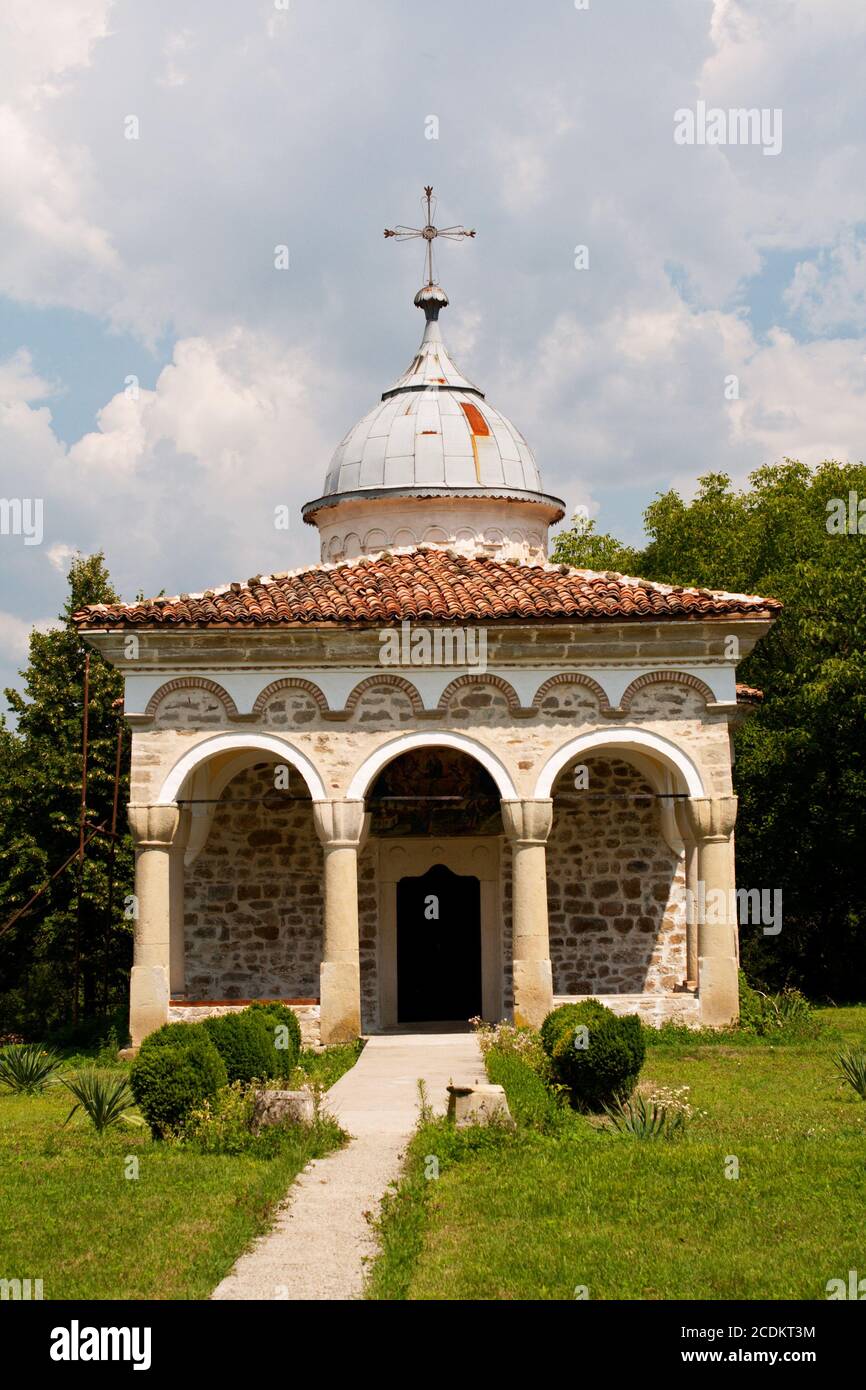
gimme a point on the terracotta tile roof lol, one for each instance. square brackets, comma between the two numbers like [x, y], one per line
[428, 585]
[749, 695]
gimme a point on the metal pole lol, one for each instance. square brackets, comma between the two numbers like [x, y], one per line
[76, 970]
[111, 858]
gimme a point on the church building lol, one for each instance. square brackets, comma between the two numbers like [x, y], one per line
[433, 776]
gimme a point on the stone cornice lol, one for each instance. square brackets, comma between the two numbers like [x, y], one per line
[567, 646]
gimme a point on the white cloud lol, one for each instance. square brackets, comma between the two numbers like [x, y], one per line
[555, 130]
[59, 556]
[53, 251]
[829, 292]
[15, 635]
[19, 380]
[180, 485]
[43, 44]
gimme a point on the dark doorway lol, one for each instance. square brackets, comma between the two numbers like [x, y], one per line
[438, 947]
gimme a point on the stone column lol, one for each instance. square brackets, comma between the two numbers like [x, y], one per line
[342, 827]
[527, 826]
[692, 876]
[153, 829]
[177, 904]
[711, 821]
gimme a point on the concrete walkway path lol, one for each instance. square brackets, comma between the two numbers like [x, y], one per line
[323, 1236]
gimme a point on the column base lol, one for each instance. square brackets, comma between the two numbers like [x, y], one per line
[533, 992]
[718, 991]
[340, 1011]
[148, 1001]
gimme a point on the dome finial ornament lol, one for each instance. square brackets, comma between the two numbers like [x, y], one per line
[430, 297]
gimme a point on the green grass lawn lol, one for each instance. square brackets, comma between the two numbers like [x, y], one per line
[532, 1216]
[71, 1216]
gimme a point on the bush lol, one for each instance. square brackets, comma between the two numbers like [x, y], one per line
[644, 1118]
[170, 1078]
[606, 1069]
[27, 1068]
[104, 1099]
[851, 1065]
[245, 1042]
[530, 1102]
[281, 1016]
[174, 1035]
[222, 1124]
[568, 1017]
[767, 1015]
[524, 1043]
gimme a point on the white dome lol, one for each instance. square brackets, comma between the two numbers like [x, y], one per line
[433, 428]
[432, 442]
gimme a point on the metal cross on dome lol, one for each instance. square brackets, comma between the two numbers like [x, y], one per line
[429, 233]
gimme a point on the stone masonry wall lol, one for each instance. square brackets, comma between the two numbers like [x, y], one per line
[523, 744]
[616, 891]
[253, 897]
[254, 894]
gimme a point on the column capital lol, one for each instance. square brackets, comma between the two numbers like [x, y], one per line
[527, 822]
[153, 827]
[710, 817]
[341, 824]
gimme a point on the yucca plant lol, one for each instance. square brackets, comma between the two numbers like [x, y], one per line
[645, 1119]
[27, 1068]
[852, 1065]
[104, 1099]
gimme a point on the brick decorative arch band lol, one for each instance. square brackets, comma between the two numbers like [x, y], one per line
[463, 682]
[390, 682]
[666, 678]
[265, 696]
[573, 678]
[191, 683]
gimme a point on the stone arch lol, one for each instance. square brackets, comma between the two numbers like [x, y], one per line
[404, 538]
[466, 682]
[660, 750]
[390, 681]
[191, 683]
[573, 678]
[370, 768]
[280, 749]
[265, 696]
[650, 678]
[376, 539]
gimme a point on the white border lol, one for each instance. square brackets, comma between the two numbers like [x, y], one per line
[615, 738]
[226, 743]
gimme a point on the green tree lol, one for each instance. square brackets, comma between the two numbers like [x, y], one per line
[587, 549]
[800, 769]
[53, 945]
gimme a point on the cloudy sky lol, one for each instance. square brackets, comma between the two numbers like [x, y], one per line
[163, 386]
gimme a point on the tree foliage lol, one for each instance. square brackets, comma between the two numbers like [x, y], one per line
[800, 769]
[40, 794]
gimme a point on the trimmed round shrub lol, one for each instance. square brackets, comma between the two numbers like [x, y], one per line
[280, 1016]
[607, 1069]
[171, 1078]
[566, 1018]
[174, 1035]
[246, 1044]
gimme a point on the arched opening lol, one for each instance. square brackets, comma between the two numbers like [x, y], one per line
[616, 877]
[252, 919]
[430, 937]
[434, 791]
[246, 874]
